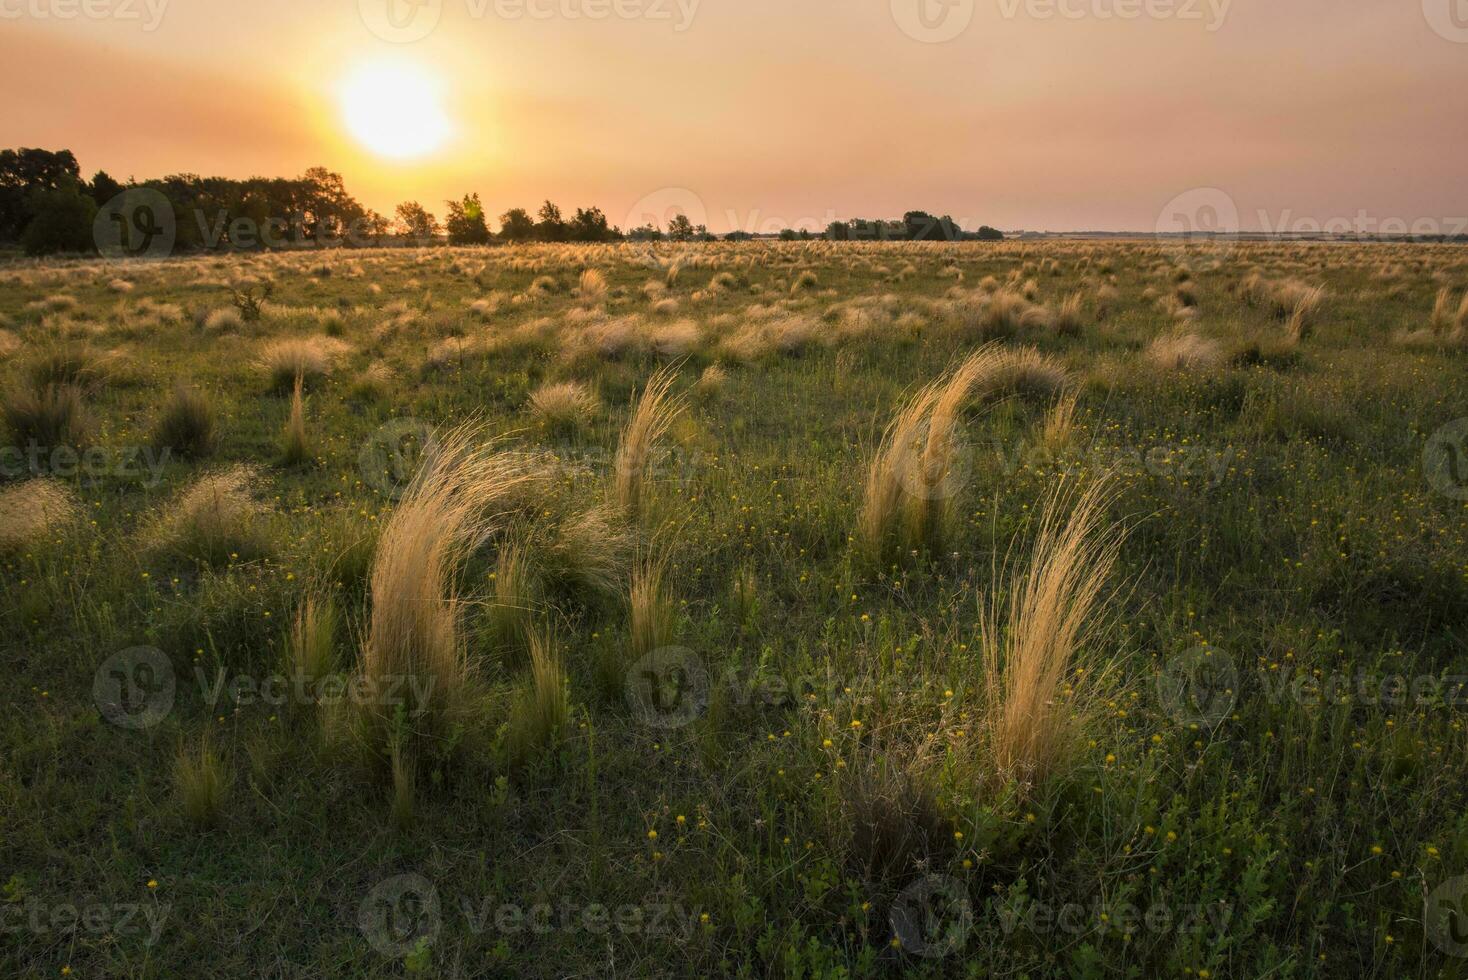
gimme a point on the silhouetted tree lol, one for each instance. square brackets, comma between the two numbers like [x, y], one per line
[550, 227]
[516, 226]
[325, 207]
[680, 229]
[63, 220]
[24, 172]
[376, 227]
[465, 222]
[415, 222]
[590, 225]
[104, 188]
[923, 227]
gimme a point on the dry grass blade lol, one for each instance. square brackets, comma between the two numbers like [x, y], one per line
[1030, 724]
[652, 417]
[652, 613]
[455, 502]
[542, 710]
[896, 458]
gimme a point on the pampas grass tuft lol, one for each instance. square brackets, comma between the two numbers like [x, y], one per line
[652, 415]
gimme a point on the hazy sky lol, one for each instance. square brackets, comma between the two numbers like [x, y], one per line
[1058, 114]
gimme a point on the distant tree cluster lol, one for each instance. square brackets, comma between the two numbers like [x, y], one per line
[680, 229]
[219, 212]
[47, 207]
[915, 226]
[44, 203]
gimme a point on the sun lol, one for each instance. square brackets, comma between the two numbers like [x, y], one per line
[394, 109]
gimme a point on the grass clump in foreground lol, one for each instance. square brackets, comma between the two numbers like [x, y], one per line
[214, 521]
[33, 512]
[1036, 696]
[652, 416]
[455, 503]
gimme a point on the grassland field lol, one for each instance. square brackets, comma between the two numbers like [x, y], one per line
[587, 611]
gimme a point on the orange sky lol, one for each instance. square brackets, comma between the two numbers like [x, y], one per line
[1058, 114]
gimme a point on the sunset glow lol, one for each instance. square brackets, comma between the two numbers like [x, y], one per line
[1058, 122]
[394, 109]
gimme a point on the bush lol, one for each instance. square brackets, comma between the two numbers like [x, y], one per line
[62, 223]
[186, 424]
[214, 521]
[48, 416]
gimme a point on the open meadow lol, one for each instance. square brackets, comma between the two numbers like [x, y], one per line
[794, 609]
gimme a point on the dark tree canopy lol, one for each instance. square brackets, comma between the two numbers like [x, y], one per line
[516, 225]
[63, 220]
[550, 227]
[44, 203]
[415, 222]
[465, 224]
[23, 172]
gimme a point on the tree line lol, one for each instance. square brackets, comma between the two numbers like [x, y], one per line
[47, 207]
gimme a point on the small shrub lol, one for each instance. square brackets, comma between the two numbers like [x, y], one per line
[48, 417]
[653, 615]
[222, 320]
[33, 511]
[308, 358]
[186, 424]
[215, 521]
[295, 449]
[311, 643]
[202, 784]
[1184, 352]
[563, 409]
[542, 709]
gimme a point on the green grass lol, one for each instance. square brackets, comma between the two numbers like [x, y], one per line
[1276, 509]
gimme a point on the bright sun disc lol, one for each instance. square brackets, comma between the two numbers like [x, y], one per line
[394, 110]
